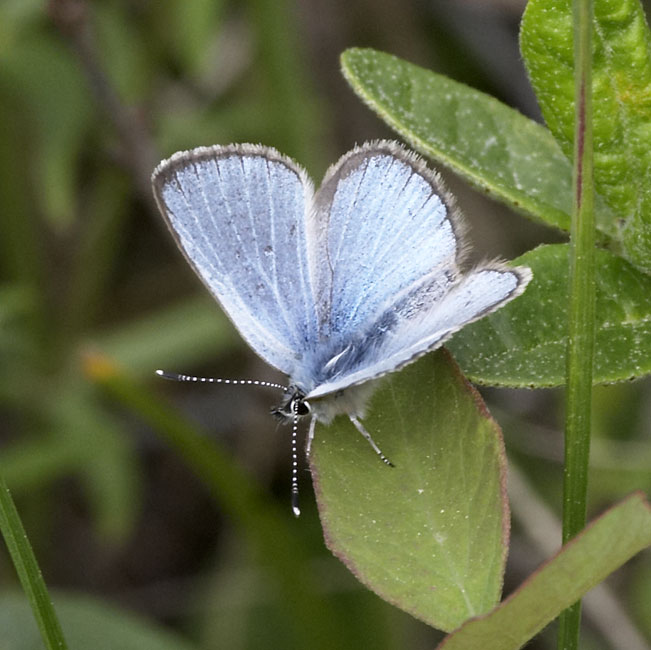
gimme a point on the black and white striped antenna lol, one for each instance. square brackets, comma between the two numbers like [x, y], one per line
[295, 509]
[173, 376]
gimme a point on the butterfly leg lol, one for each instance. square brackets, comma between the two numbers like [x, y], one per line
[360, 427]
[310, 437]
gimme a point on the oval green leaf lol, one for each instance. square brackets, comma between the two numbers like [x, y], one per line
[493, 146]
[621, 87]
[429, 535]
[523, 344]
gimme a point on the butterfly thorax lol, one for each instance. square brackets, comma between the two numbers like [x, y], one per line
[329, 362]
[351, 401]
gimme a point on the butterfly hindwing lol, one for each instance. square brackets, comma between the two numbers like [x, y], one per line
[422, 320]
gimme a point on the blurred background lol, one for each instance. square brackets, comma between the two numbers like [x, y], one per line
[94, 297]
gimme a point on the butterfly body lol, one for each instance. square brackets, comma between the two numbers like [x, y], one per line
[349, 401]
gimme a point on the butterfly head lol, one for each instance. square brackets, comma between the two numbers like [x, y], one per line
[293, 405]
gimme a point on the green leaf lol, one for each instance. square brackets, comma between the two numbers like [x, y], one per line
[429, 535]
[106, 208]
[88, 622]
[106, 460]
[125, 53]
[581, 564]
[295, 122]
[621, 86]
[83, 439]
[16, 17]
[183, 333]
[483, 140]
[20, 238]
[523, 344]
[190, 30]
[47, 76]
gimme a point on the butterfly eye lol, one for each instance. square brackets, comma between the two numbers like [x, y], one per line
[303, 408]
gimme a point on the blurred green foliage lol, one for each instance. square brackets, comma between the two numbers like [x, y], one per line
[91, 96]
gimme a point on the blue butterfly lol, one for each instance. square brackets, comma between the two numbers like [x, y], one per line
[335, 287]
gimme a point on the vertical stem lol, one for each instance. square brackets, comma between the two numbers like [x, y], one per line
[580, 347]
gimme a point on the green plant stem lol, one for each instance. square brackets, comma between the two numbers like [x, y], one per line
[28, 571]
[580, 348]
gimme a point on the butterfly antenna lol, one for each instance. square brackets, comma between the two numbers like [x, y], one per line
[173, 376]
[295, 509]
[360, 427]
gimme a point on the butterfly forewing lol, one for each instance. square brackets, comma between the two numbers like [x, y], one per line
[385, 223]
[239, 215]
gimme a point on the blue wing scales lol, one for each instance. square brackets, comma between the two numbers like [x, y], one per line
[383, 221]
[239, 215]
[334, 289]
[419, 321]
